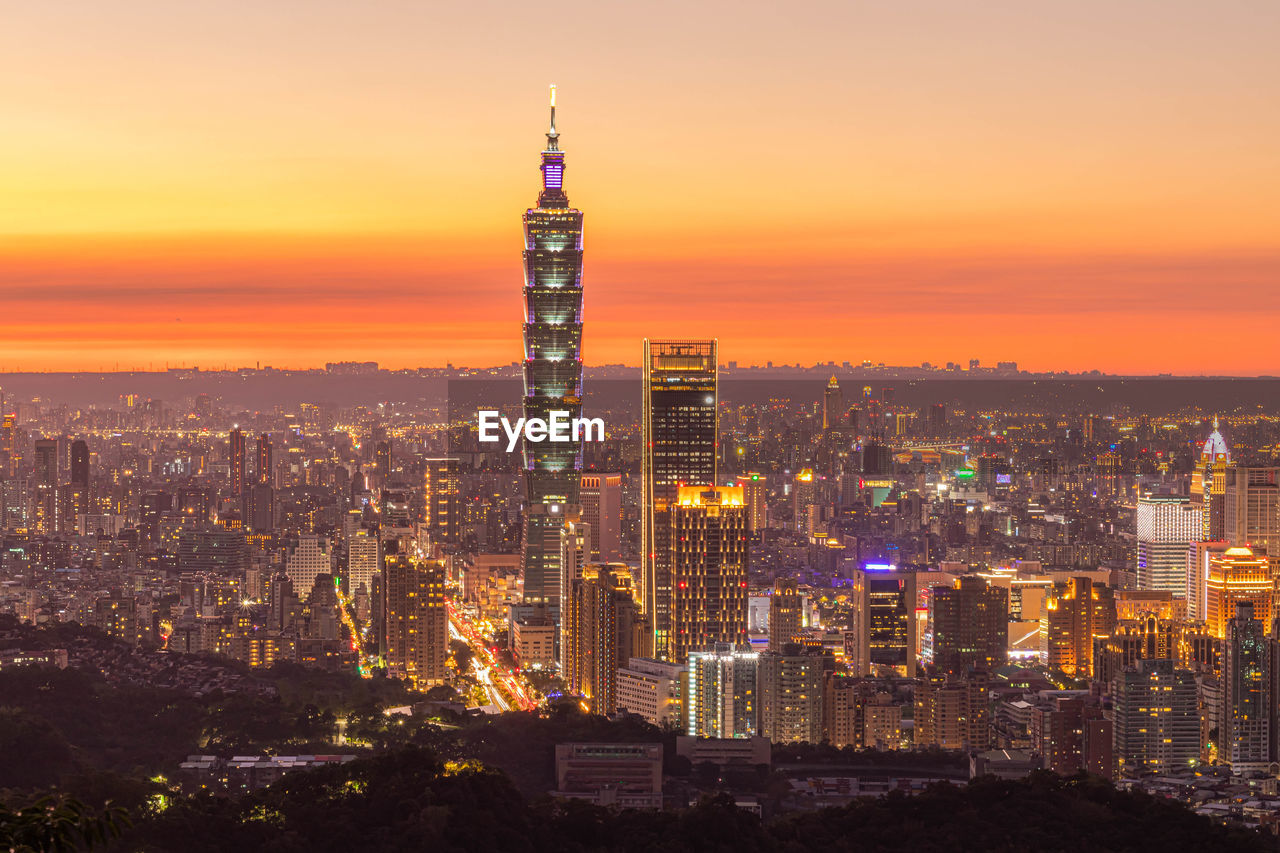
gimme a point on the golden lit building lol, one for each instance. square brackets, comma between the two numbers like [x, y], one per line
[708, 569]
[1236, 575]
[1075, 614]
[417, 629]
[602, 630]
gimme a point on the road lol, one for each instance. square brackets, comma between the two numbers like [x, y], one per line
[508, 690]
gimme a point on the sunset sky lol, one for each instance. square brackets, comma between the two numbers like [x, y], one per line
[1068, 185]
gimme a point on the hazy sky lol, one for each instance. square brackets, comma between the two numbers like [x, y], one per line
[1068, 185]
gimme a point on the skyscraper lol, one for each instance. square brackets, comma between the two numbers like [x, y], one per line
[1236, 577]
[603, 630]
[722, 700]
[443, 499]
[754, 488]
[785, 617]
[236, 459]
[832, 405]
[1075, 613]
[1251, 510]
[264, 459]
[417, 629]
[1157, 721]
[601, 500]
[1247, 660]
[678, 441]
[552, 367]
[708, 569]
[1209, 482]
[969, 626]
[884, 621]
[79, 463]
[1167, 525]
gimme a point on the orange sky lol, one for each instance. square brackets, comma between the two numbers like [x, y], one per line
[1068, 186]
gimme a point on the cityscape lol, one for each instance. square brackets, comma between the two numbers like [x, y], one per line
[716, 591]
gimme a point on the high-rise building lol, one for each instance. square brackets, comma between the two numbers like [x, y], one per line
[307, 558]
[442, 499]
[790, 686]
[1110, 482]
[364, 561]
[884, 631]
[722, 700]
[832, 405]
[382, 460]
[552, 368]
[601, 500]
[1198, 554]
[678, 448]
[46, 481]
[264, 459]
[804, 494]
[1075, 614]
[1251, 510]
[80, 463]
[755, 493]
[602, 631]
[416, 622]
[1248, 709]
[785, 613]
[708, 569]
[1167, 525]
[258, 508]
[1156, 717]
[1208, 483]
[1237, 576]
[236, 460]
[969, 626]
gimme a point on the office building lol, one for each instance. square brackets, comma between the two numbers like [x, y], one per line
[416, 632]
[1237, 576]
[1075, 614]
[1251, 511]
[832, 405]
[678, 447]
[443, 500]
[600, 496]
[969, 626]
[1248, 713]
[552, 368]
[265, 460]
[1209, 483]
[708, 569]
[620, 775]
[786, 615]
[364, 561]
[1156, 718]
[1198, 554]
[1167, 525]
[755, 493]
[306, 558]
[885, 632]
[235, 459]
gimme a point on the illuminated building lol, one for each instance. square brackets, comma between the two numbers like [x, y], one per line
[969, 626]
[755, 493]
[1167, 525]
[307, 557]
[46, 481]
[364, 561]
[1156, 717]
[1248, 709]
[602, 631]
[832, 405]
[601, 500]
[651, 688]
[416, 623]
[1210, 476]
[804, 494]
[721, 699]
[382, 460]
[708, 569]
[236, 460]
[80, 463]
[552, 368]
[1109, 481]
[443, 499]
[1251, 510]
[1075, 614]
[1188, 644]
[264, 459]
[884, 621]
[790, 691]
[785, 616]
[1235, 577]
[678, 448]
[953, 712]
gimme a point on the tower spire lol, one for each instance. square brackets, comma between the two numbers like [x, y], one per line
[553, 134]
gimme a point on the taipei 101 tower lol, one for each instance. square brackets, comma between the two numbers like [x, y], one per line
[552, 368]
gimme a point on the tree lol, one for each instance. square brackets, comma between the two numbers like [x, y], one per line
[56, 824]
